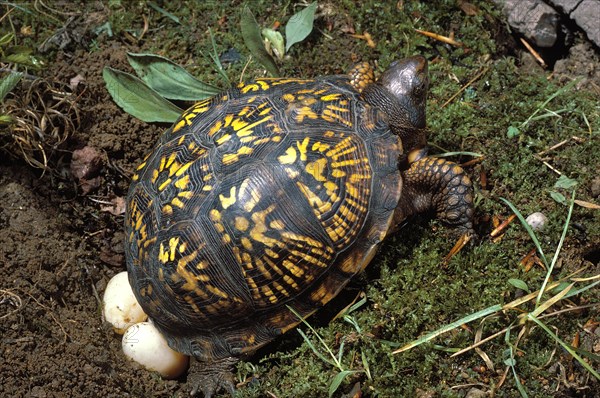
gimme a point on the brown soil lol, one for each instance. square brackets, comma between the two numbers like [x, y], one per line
[58, 249]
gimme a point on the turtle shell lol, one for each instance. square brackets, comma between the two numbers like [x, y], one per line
[267, 197]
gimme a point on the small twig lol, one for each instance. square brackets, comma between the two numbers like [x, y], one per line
[7, 14]
[503, 378]
[502, 226]
[473, 161]
[563, 142]
[102, 202]
[553, 147]
[68, 14]
[462, 386]
[463, 88]
[366, 37]
[145, 29]
[443, 39]
[244, 69]
[548, 165]
[533, 52]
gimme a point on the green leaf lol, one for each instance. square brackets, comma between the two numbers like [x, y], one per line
[169, 79]
[137, 99]
[253, 40]
[565, 182]
[6, 120]
[519, 284]
[300, 25]
[512, 132]
[276, 41]
[557, 196]
[8, 83]
[23, 58]
[356, 305]
[338, 379]
[104, 28]
[20, 50]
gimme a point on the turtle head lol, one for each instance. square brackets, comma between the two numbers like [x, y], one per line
[401, 93]
[408, 80]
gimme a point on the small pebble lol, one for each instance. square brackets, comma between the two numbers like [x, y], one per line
[537, 221]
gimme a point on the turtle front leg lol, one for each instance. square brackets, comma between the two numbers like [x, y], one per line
[441, 186]
[210, 377]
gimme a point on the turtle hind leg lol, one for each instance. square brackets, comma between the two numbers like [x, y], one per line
[438, 185]
[210, 377]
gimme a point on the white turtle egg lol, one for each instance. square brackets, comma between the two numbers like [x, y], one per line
[120, 307]
[144, 344]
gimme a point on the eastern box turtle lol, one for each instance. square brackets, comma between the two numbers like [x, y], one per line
[273, 195]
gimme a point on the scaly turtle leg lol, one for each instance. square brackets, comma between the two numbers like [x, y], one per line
[361, 75]
[441, 186]
[210, 377]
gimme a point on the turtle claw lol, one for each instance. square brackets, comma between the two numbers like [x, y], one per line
[210, 378]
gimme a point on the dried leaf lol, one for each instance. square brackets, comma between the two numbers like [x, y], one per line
[468, 8]
[587, 205]
[116, 208]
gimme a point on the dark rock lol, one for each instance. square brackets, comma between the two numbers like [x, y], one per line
[534, 19]
[539, 20]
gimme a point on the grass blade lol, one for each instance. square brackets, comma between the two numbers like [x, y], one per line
[583, 289]
[331, 354]
[215, 58]
[164, 12]
[451, 326]
[550, 302]
[529, 231]
[314, 349]
[338, 379]
[554, 95]
[566, 346]
[558, 249]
